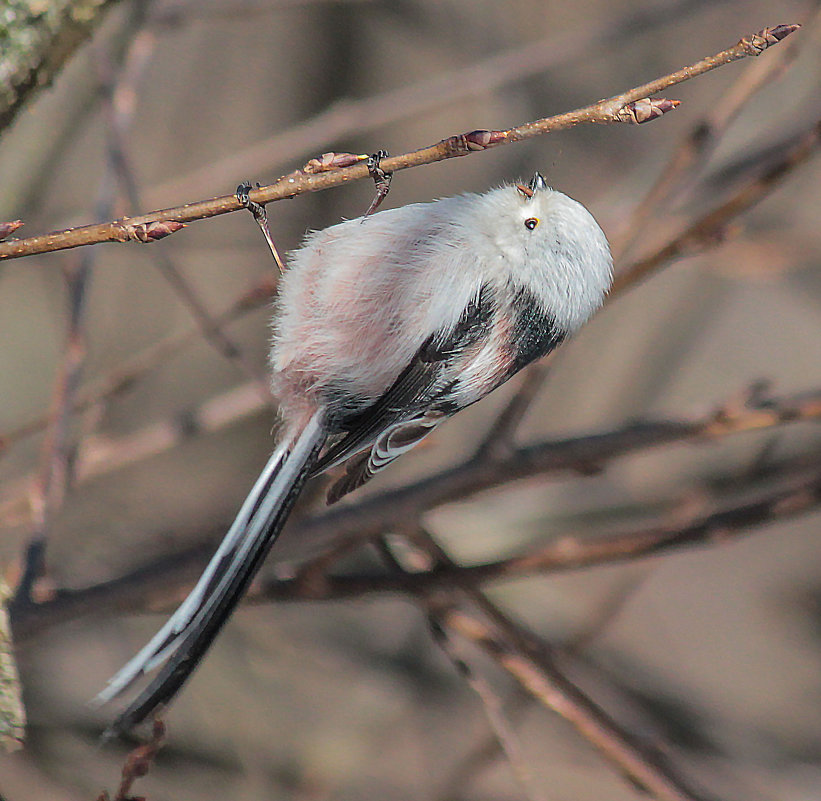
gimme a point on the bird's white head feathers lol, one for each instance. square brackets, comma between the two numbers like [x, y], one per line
[548, 242]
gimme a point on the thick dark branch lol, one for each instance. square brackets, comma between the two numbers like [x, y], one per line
[485, 470]
[573, 553]
[163, 582]
[534, 663]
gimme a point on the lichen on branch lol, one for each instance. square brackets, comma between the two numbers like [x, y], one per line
[36, 38]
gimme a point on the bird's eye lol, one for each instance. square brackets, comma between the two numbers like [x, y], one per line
[531, 223]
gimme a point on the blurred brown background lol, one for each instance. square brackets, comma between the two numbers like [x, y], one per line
[715, 652]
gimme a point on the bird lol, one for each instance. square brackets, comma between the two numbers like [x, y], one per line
[385, 326]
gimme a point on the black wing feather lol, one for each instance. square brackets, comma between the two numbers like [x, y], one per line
[418, 386]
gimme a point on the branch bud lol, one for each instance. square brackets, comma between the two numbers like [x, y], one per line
[8, 228]
[150, 232]
[462, 144]
[646, 109]
[332, 161]
[756, 44]
[481, 140]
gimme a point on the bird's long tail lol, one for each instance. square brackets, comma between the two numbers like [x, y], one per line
[184, 639]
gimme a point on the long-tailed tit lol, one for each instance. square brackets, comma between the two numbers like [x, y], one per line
[386, 326]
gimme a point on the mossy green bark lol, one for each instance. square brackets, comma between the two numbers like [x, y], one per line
[36, 39]
[12, 713]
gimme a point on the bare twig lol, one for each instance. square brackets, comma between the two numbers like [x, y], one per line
[537, 673]
[487, 749]
[634, 105]
[380, 512]
[484, 753]
[701, 141]
[138, 763]
[572, 553]
[436, 609]
[545, 680]
[708, 229]
[119, 109]
[57, 461]
[501, 432]
[500, 724]
[704, 233]
[348, 117]
[101, 454]
[370, 516]
[126, 374]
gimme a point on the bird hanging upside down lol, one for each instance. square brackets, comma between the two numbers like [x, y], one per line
[387, 325]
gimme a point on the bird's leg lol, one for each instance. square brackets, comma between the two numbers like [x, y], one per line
[381, 179]
[261, 217]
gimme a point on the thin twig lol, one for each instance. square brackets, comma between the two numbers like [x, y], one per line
[700, 235]
[632, 106]
[501, 726]
[555, 689]
[100, 454]
[702, 140]
[121, 377]
[349, 117]
[501, 432]
[125, 375]
[483, 753]
[138, 763]
[708, 229]
[583, 454]
[537, 673]
[704, 233]
[119, 110]
[572, 553]
[436, 609]
[58, 460]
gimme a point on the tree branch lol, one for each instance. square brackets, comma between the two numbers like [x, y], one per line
[36, 39]
[632, 106]
[347, 118]
[532, 662]
[163, 581]
[709, 228]
[542, 679]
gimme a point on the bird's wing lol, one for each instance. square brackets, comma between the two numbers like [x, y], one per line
[390, 444]
[421, 388]
[406, 398]
[452, 369]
